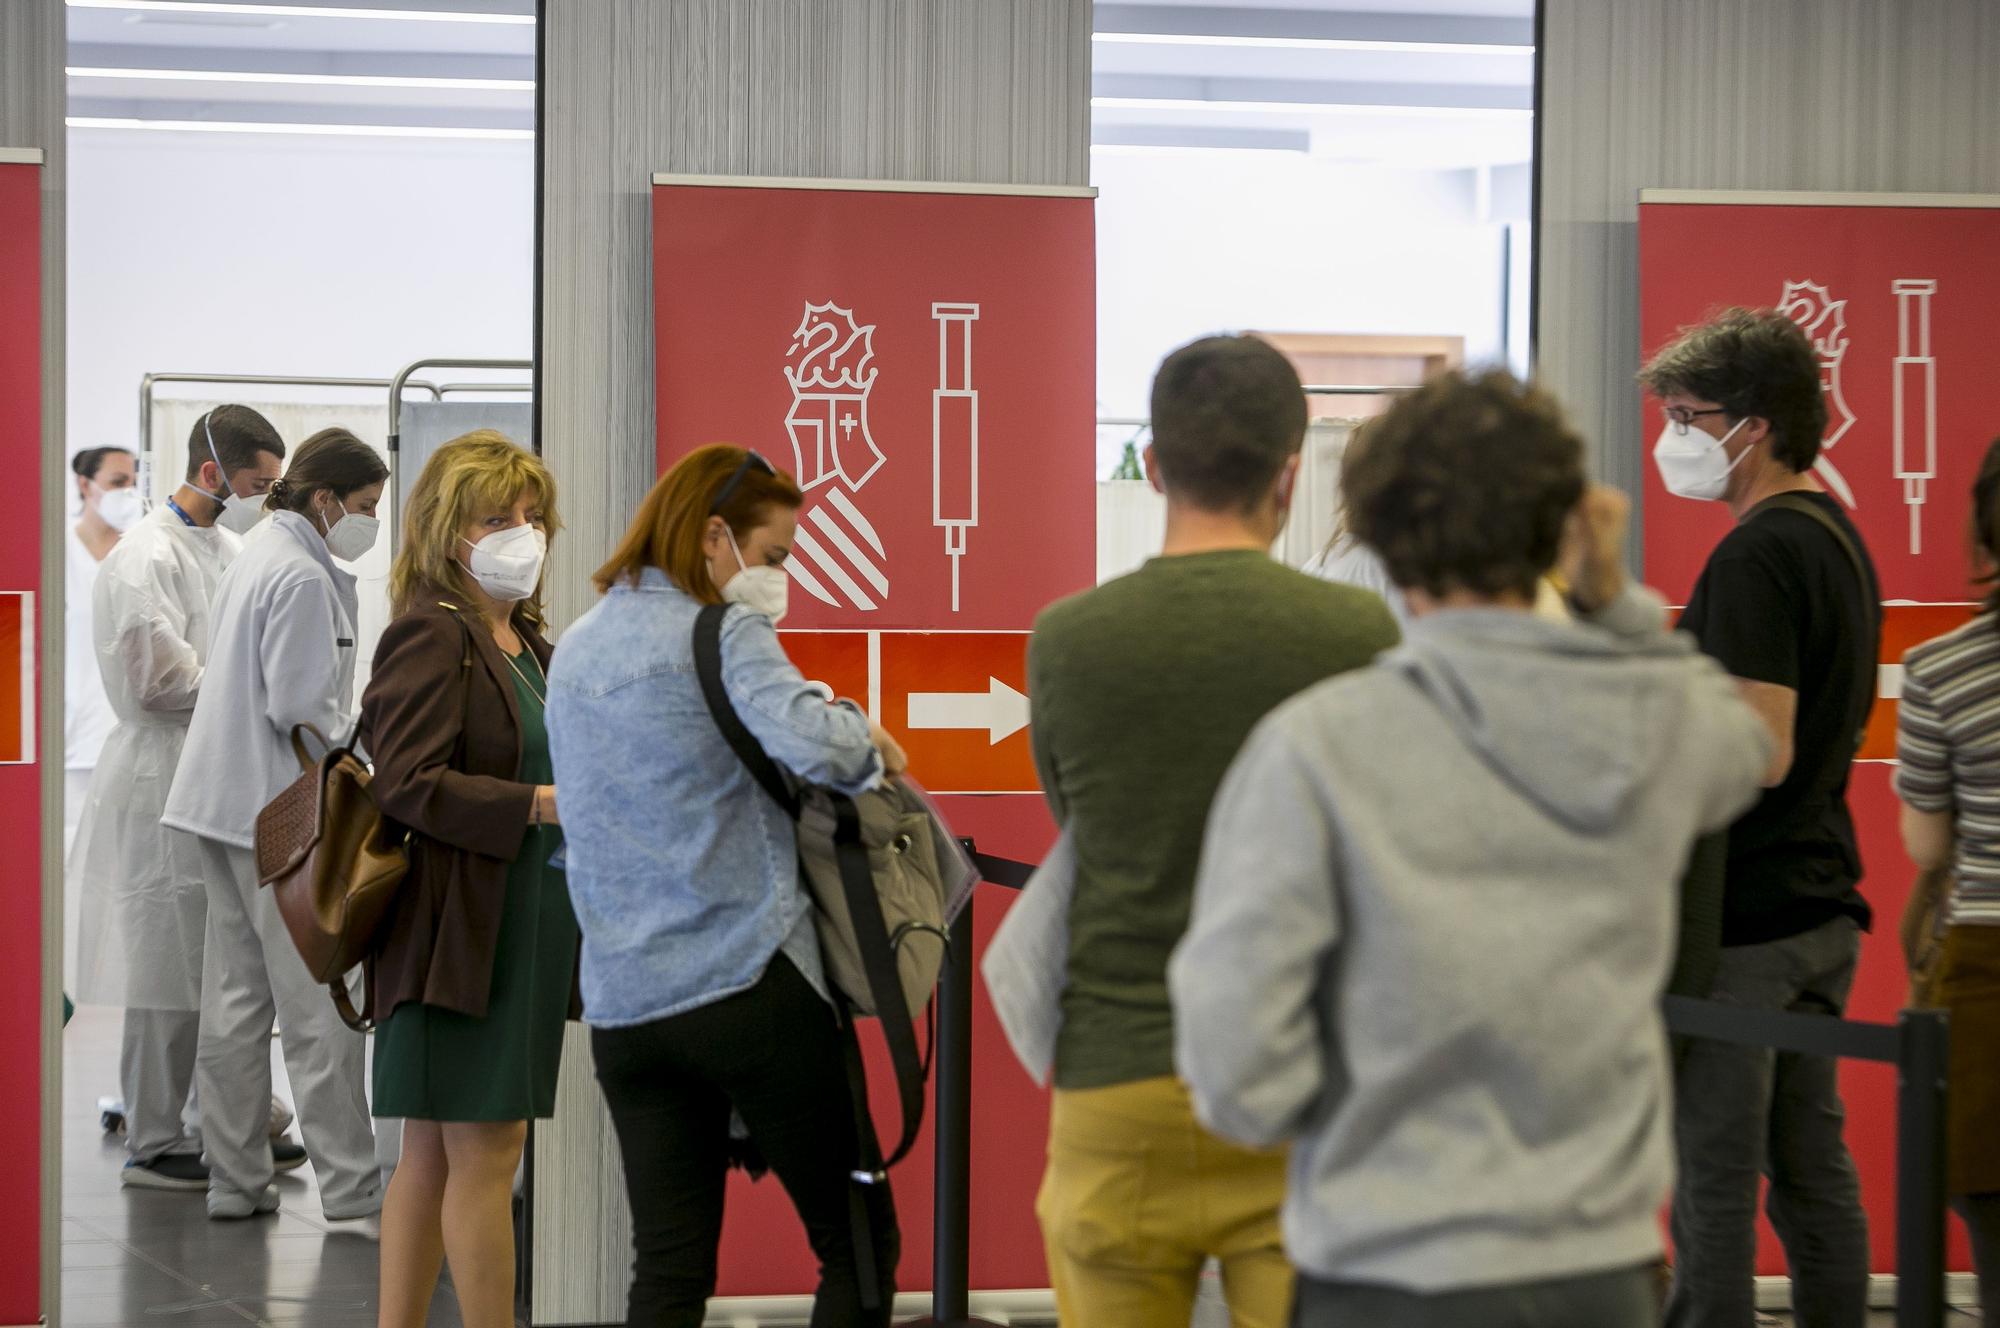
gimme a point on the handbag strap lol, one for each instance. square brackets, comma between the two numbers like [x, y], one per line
[299, 744]
[343, 1004]
[1870, 598]
[708, 671]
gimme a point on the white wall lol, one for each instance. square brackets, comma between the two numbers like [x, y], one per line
[1195, 242]
[247, 253]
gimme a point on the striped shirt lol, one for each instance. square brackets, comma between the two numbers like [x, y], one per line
[1948, 741]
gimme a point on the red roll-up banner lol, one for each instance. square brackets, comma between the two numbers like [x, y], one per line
[1895, 292]
[922, 359]
[21, 994]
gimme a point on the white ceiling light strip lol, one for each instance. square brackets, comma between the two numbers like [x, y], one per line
[1186, 149]
[272, 127]
[310, 80]
[301, 11]
[1310, 43]
[1310, 108]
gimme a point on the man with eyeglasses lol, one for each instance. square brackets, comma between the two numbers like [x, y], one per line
[1788, 603]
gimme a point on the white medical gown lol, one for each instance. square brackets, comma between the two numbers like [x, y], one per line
[87, 714]
[145, 907]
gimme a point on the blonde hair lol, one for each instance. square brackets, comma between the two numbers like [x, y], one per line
[481, 469]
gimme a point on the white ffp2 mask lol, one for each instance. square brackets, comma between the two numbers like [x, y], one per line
[238, 513]
[765, 590]
[1695, 464]
[120, 508]
[351, 534]
[507, 564]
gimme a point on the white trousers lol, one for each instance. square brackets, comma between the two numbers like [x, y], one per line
[76, 788]
[252, 976]
[156, 1075]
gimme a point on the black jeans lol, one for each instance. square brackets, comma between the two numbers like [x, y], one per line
[1744, 1115]
[774, 1054]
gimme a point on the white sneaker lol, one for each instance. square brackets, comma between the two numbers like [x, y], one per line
[281, 1116]
[233, 1205]
[367, 1207]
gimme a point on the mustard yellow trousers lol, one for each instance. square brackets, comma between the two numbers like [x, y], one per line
[1138, 1197]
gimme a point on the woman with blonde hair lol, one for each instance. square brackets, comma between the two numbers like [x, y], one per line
[475, 972]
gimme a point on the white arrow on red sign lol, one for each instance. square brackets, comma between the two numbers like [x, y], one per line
[1000, 710]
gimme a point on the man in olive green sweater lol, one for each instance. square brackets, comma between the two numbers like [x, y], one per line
[1144, 689]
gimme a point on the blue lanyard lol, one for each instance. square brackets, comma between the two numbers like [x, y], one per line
[186, 520]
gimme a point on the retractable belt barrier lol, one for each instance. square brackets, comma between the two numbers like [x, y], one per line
[1916, 1044]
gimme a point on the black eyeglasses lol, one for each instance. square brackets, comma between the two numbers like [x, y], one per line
[1681, 417]
[751, 461]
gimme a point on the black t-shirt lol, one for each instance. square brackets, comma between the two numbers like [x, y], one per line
[1778, 602]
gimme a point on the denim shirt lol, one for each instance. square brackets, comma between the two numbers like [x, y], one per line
[684, 873]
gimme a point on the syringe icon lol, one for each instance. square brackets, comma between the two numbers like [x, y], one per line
[1916, 396]
[955, 434]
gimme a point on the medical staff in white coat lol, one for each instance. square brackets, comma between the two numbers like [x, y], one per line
[281, 653]
[109, 505]
[144, 906]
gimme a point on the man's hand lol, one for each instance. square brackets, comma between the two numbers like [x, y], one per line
[1592, 560]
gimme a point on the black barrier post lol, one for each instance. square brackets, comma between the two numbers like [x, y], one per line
[1921, 1064]
[951, 1291]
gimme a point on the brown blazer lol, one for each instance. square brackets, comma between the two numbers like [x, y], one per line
[442, 723]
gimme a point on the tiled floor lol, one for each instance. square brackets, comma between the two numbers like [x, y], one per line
[135, 1257]
[138, 1257]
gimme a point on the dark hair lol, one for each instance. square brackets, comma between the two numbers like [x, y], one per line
[331, 459]
[91, 460]
[240, 433]
[667, 530]
[1750, 362]
[1228, 412]
[1466, 484]
[1986, 524]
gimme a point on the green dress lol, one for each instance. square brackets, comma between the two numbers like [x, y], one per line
[437, 1064]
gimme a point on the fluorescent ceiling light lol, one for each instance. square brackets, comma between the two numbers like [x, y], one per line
[300, 11]
[315, 80]
[1183, 149]
[1308, 108]
[256, 127]
[1310, 43]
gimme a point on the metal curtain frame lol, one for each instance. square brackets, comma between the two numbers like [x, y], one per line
[152, 380]
[405, 378]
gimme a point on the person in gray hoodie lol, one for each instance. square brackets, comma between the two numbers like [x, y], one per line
[1436, 902]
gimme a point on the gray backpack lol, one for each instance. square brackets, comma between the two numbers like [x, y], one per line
[884, 876]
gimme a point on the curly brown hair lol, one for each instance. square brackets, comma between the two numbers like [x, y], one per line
[1751, 363]
[1466, 484]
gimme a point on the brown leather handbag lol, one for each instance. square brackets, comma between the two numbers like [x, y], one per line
[334, 863]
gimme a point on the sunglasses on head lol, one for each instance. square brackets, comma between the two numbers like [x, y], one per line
[751, 461]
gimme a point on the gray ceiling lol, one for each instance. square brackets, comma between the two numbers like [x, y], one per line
[1427, 82]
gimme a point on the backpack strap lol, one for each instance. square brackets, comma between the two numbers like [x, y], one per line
[708, 670]
[878, 962]
[1870, 596]
[870, 1171]
[857, 881]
